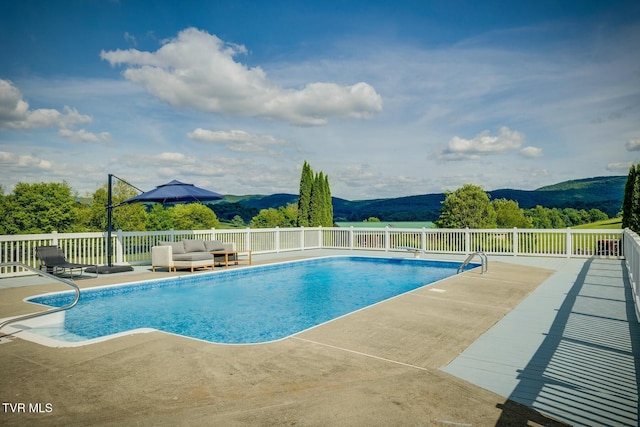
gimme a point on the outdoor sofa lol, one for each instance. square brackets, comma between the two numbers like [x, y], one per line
[189, 253]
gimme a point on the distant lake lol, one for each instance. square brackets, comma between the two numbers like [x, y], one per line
[383, 224]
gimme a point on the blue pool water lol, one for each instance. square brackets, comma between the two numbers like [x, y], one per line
[250, 305]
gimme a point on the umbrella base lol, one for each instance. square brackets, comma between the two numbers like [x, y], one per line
[108, 269]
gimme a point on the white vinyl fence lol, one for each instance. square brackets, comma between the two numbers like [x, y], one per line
[632, 259]
[135, 247]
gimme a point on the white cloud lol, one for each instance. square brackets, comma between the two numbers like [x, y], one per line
[619, 166]
[237, 140]
[531, 152]
[14, 160]
[226, 136]
[482, 144]
[198, 70]
[13, 109]
[171, 158]
[553, 95]
[633, 144]
[81, 135]
[15, 112]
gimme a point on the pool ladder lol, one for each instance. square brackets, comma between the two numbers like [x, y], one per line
[483, 259]
[44, 274]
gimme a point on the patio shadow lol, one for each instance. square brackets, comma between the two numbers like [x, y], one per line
[585, 370]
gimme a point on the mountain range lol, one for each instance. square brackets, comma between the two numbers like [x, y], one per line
[604, 193]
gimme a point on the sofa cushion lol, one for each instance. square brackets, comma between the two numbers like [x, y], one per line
[193, 256]
[213, 245]
[176, 247]
[194, 245]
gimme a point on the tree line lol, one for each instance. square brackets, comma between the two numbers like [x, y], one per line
[470, 207]
[46, 207]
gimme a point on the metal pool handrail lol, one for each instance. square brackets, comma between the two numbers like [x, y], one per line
[44, 274]
[483, 259]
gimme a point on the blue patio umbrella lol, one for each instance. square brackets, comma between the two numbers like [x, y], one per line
[175, 192]
[171, 192]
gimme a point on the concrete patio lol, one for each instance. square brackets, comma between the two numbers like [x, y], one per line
[525, 344]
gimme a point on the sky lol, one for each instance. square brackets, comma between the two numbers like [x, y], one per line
[388, 99]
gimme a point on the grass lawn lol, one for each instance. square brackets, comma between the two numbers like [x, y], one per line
[611, 223]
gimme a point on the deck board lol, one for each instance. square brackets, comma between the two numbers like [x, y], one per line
[569, 350]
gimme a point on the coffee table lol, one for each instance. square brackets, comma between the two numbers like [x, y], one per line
[236, 253]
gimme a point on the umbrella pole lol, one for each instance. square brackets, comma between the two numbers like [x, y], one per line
[110, 268]
[109, 220]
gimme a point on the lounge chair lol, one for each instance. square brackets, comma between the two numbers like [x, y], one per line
[52, 258]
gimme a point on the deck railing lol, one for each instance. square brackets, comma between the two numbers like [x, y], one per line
[632, 259]
[135, 247]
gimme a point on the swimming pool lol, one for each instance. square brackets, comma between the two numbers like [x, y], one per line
[244, 306]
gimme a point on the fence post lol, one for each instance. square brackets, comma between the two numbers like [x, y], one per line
[277, 239]
[387, 243]
[247, 239]
[302, 237]
[119, 246]
[423, 239]
[569, 242]
[54, 238]
[515, 241]
[320, 240]
[351, 237]
[467, 241]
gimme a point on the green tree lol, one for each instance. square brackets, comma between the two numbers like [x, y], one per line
[634, 223]
[130, 217]
[284, 216]
[193, 216]
[509, 214]
[40, 208]
[539, 217]
[316, 210]
[597, 215]
[627, 201]
[468, 206]
[315, 206]
[84, 218]
[289, 215]
[159, 218]
[238, 222]
[631, 200]
[556, 218]
[570, 217]
[267, 218]
[4, 214]
[304, 197]
[328, 203]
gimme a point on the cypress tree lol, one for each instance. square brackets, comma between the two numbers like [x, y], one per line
[328, 203]
[627, 202]
[634, 223]
[316, 208]
[304, 198]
